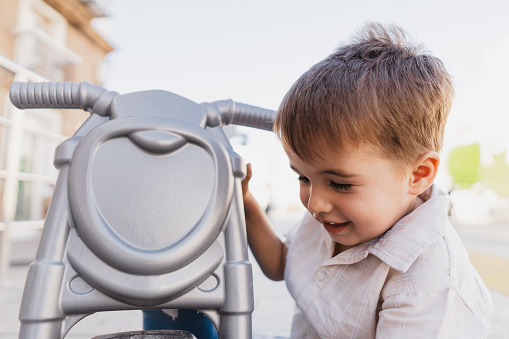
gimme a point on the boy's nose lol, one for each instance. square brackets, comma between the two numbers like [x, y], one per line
[318, 201]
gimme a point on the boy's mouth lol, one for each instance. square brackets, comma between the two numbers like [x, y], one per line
[335, 228]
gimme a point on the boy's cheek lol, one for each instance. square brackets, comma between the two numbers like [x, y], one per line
[304, 197]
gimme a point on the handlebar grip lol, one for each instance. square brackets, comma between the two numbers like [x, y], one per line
[78, 95]
[231, 112]
[253, 116]
[45, 95]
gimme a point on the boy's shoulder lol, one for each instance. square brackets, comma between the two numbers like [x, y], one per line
[443, 265]
[443, 271]
[424, 251]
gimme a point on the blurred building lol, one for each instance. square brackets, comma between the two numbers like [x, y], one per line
[40, 40]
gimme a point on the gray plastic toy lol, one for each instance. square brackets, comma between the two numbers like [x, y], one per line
[147, 211]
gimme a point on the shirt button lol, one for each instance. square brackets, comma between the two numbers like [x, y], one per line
[320, 276]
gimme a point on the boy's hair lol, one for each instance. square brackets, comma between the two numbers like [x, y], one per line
[378, 90]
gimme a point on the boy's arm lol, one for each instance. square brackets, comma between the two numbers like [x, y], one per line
[268, 249]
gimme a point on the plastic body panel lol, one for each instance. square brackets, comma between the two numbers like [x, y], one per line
[147, 211]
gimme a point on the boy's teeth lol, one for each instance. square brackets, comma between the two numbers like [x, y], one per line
[335, 223]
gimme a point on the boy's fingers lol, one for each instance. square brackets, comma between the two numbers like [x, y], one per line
[245, 182]
[249, 172]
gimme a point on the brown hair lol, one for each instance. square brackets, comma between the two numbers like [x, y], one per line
[379, 90]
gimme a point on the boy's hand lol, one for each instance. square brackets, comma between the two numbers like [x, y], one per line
[245, 182]
[265, 244]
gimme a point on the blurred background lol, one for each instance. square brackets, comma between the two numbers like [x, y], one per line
[251, 52]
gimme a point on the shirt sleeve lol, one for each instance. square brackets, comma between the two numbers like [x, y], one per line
[440, 314]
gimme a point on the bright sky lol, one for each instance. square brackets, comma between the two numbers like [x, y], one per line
[253, 51]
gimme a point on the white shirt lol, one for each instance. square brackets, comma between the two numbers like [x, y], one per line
[415, 281]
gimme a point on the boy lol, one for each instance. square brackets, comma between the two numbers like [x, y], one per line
[376, 255]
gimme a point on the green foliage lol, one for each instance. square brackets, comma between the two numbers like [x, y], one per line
[464, 165]
[496, 176]
[465, 169]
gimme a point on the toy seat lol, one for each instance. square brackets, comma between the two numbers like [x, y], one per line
[146, 212]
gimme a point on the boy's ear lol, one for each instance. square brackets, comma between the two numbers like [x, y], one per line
[424, 171]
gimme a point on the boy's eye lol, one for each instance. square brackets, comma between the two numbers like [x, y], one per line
[304, 180]
[340, 187]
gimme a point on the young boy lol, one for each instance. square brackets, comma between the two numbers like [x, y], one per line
[376, 255]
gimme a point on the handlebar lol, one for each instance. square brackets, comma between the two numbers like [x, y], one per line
[79, 95]
[231, 112]
[94, 98]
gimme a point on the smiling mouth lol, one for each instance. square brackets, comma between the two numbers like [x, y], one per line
[335, 228]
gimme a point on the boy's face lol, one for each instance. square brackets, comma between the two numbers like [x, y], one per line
[355, 194]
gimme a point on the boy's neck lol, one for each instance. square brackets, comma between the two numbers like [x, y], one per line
[339, 248]
[418, 202]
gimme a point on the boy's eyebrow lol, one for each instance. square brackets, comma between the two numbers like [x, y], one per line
[340, 173]
[335, 172]
[294, 169]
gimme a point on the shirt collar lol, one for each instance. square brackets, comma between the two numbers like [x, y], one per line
[400, 246]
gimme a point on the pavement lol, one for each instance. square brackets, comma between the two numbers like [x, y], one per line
[488, 245]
